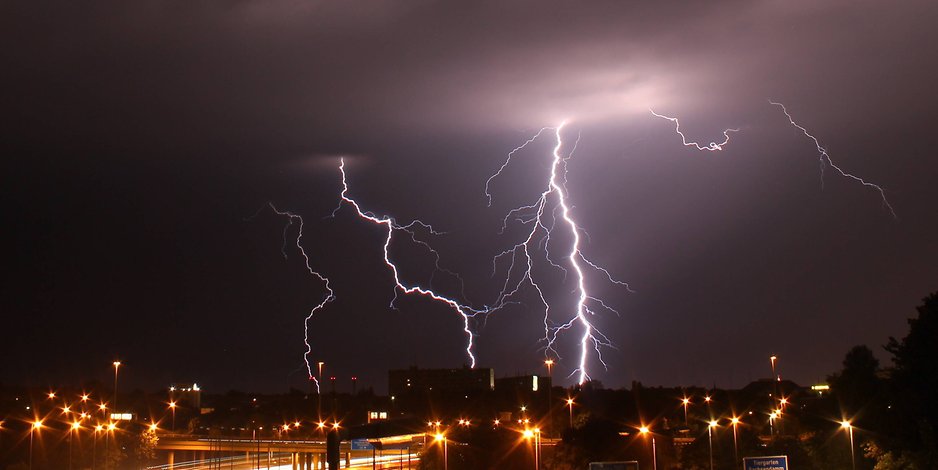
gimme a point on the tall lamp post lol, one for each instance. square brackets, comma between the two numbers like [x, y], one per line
[320, 364]
[710, 427]
[735, 421]
[773, 359]
[570, 405]
[75, 427]
[172, 409]
[550, 395]
[845, 424]
[32, 429]
[107, 444]
[685, 401]
[94, 445]
[117, 365]
[442, 438]
[654, 452]
[534, 435]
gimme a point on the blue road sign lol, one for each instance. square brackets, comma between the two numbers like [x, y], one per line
[361, 444]
[777, 462]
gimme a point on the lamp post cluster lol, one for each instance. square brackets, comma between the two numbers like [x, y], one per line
[73, 418]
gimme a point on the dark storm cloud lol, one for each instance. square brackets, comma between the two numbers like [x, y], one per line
[247, 71]
[183, 117]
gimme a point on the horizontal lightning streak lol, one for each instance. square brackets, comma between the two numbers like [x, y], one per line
[711, 147]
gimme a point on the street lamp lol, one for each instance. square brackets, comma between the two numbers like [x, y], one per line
[845, 424]
[441, 438]
[117, 365]
[108, 430]
[550, 394]
[685, 401]
[534, 434]
[710, 427]
[570, 405]
[94, 445]
[773, 359]
[735, 421]
[35, 427]
[654, 452]
[74, 428]
[172, 409]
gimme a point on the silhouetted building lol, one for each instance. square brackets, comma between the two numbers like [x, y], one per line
[413, 380]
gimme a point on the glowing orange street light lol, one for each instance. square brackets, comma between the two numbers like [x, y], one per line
[172, 409]
[570, 406]
[37, 425]
[845, 424]
[85, 397]
[442, 438]
[51, 395]
[75, 427]
[735, 421]
[654, 451]
[685, 401]
[117, 365]
[550, 394]
[711, 426]
[94, 444]
[534, 434]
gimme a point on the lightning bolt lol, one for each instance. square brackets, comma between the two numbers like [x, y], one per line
[825, 160]
[542, 217]
[711, 147]
[330, 295]
[466, 312]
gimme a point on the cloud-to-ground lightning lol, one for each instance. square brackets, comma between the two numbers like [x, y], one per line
[542, 217]
[465, 311]
[711, 147]
[550, 215]
[330, 295]
[825, 160]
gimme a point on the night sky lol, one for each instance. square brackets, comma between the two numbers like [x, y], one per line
[141, 142]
